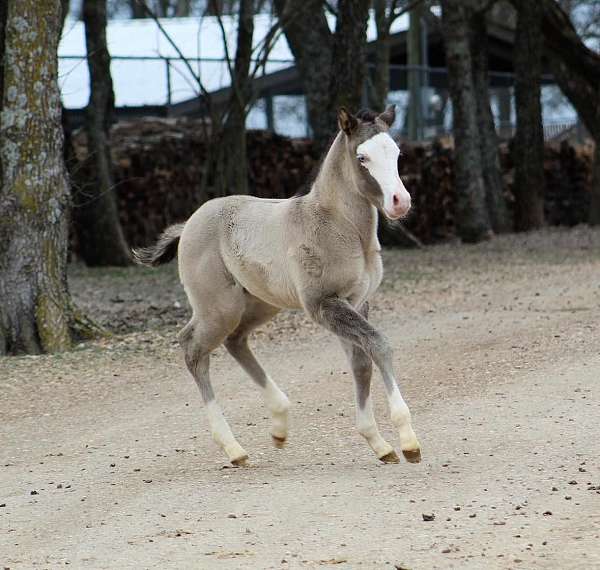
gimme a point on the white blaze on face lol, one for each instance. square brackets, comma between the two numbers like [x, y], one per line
[380, 154]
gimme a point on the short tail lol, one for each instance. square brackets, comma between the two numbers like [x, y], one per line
[163, 251]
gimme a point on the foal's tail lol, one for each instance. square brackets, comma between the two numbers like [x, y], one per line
[163, 251]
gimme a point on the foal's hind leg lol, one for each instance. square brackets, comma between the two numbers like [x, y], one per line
[206, 331]
[255, 314]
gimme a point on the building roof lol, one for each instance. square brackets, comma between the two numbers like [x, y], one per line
[139, 52]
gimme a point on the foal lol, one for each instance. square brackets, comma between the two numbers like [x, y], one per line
[243, 259]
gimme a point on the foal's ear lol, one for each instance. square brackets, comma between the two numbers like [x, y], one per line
[389, 115]
[346, 120]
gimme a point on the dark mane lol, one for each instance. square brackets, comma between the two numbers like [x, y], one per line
[366, 115]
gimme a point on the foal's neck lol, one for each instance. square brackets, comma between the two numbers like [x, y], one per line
[335, 189]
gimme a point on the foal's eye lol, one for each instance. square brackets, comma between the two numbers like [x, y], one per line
[361, 158]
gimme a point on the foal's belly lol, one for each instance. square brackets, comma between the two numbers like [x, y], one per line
[268, 281]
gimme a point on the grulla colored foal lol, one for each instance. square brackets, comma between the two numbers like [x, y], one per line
[243, 259]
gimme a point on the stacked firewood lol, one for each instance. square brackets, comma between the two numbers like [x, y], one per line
[428, 174]
[567, 173]
[279, 167]
[568, 182]
[159, 166]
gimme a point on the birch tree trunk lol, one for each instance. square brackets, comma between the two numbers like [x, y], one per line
[35, 309]
[101, 239]
[472, 219]
[529, 138]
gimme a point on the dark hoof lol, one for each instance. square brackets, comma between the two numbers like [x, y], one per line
[391, 457]
[241, 461]
[412, 455]
[278, 442]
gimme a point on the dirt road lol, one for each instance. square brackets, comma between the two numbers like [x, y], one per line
[106, 459]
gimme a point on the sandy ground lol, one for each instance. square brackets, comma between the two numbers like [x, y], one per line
[106, 460]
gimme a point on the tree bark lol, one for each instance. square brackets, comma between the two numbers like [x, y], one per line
[577, 71]
[496, 204]
[101, 238]
[182, 8]
[594, 218]
[311, 43]
[415, 58]
[332, 66]
[35, 310]
[233, 163]
[472, 219]
[3, 16]
[380, 81]
[348, 72]
[64, 5]
[137, 10]
[529, 138]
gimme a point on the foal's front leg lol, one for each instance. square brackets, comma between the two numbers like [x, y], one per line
[362, 369]
[338, 316]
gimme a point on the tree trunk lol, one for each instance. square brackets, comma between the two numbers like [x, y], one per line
[415, 58]
[472, 220]
[594, 218]
[348, 71]
[577, 71]
[311, 43]
[137, 10]
[529, 138]
[380, 80]
[64, 5]
[101, 240]
[496, 204]
[3, 16]
[234, 161]
[183, 8]
[332, 67]
[35, 311]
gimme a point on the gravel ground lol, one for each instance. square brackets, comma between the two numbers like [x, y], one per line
[106, 460]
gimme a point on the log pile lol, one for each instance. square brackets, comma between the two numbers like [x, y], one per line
[568, 178]
[428, 174]
[159, 164]
[279, 167]
[568, 183]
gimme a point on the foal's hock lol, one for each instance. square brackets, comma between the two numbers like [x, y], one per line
[243, 259]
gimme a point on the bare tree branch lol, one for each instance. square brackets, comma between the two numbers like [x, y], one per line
[217, 13]
[185, 61]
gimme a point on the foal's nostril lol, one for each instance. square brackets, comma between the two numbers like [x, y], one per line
[396, 199]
